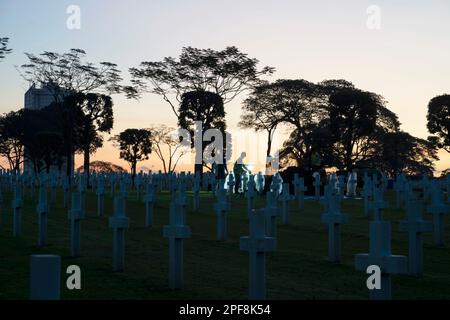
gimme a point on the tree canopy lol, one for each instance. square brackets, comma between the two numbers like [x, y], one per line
[102, 167]
[439, 121]
[226, 72]
[167, 147]
[70, 72]
[135, 145]
[208, 109]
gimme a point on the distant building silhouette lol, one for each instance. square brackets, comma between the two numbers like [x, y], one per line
[38, 98]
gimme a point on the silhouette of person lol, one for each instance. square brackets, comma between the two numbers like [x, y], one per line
[239, 169]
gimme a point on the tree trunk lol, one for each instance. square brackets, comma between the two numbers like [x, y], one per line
[198, 168]
[348, 157]
[69, 163]
[269, 144]
[87, 160]
[133, 172]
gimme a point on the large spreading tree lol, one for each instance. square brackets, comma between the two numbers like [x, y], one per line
[227, 73]
[65, 74]
[69, 72]
[297, 104]
[352, 115]
[398, 152]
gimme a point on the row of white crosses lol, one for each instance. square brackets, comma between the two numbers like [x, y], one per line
[332, 217]
[380, 252]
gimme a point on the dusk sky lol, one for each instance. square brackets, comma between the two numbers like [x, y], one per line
[406, 60]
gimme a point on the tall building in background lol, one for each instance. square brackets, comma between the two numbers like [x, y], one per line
[37, 99]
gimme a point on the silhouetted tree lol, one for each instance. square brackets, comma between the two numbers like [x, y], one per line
[260, 112]
[399, 152]
[4, 50]
[49, 147]
[167, 147]
[439, 121]
[207, 108]
[68, 74]
[43, 138]
[332, 119]
[299, 104]
[226, 73]
[102, 167]
[70, 119]
[11, 138]
[135, 145]
[97, 117]
[352, 116]
[317, 139]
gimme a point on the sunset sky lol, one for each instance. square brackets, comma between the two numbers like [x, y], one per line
[407, 60]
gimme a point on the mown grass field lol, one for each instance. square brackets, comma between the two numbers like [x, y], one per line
[213, 270]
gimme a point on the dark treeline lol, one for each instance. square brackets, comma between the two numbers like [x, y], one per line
[331, 123]
[345, 127]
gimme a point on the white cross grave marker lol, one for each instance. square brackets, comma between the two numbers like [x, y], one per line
[119, 222]
[415, 226]
[176, 232]
[333, 218]
[257, 244]
[75, 216]
[381, 256]
[42, 211]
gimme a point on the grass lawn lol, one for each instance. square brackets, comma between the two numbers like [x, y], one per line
[213, 270]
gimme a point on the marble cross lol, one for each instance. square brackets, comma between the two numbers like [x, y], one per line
[377, 204]
[271, 212]
[82, 185]
[299, 187]
[17, 205]
[196, 191]
[352, 185]
[316, 183]
[250, 194]
[176, 232]
[367, 194]
[438, 208]
[42, 212]
[285, 198]
[380, 255]
[75, 216]
[222, 208]
[415, 226]
[260, 182]
[257, 244]
[149, 201]
[119, 222]
[333, 218]
[66, 191]
[45, 277]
